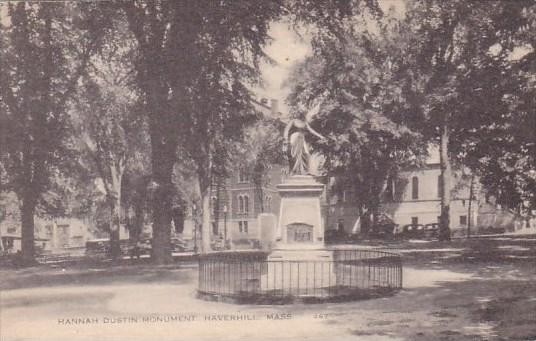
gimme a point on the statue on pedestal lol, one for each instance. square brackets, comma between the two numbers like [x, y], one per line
[298, 153]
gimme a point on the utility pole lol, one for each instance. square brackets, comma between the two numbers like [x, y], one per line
[469, 213]
[194, 220]
[225, 226]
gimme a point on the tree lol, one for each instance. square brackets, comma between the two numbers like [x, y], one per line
[136, 201]
[460, 74]
[196, 63]
[462, 53]
[499, 143]
[45, 49]
[110, 127]
[261, 149]
[368, 113]
[213, 53]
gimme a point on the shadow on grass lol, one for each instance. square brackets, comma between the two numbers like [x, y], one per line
[45, 276]
[65, 301]
[477, 309]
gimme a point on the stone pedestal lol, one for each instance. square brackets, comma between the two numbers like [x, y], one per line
[299, 259]
[300, 221]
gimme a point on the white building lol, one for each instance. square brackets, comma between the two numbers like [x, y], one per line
[414, 198]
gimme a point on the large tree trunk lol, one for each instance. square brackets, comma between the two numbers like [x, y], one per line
[116, 172]
[375, 219]
[204, 192]
[162, 210]
[365, 220]
[258, 174]
[163, 157]
[375, 196]
[135, 224]
[28, 229]
[204, 181]
[115, 225]
[446, 174]
[205, 229]
[216, 208]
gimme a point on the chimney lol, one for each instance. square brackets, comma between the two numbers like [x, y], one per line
[274, 106]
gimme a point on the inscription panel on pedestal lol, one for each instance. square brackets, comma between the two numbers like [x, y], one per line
[299, 233]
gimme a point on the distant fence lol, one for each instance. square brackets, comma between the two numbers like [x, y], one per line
[249, 277]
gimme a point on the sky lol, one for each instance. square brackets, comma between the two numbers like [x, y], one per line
[287, 49]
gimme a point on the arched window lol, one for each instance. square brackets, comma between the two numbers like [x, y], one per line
[240, 204]
[415, 187]
[246, 204]
[284, 173]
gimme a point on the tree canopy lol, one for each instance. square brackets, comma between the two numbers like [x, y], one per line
[44, 50]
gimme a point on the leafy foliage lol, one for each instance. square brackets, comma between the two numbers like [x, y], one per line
[45, 49]
[477, 60]
[368, 110]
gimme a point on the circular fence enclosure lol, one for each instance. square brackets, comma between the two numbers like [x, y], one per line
[249, 277]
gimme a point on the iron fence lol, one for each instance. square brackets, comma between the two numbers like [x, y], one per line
[252, 277]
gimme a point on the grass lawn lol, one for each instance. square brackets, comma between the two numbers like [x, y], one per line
[478, 289]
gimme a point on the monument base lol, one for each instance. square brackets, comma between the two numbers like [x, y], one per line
[304, 253]
[299, 272]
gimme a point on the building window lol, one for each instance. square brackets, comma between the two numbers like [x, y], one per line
[243, 203]
[340, 225]
[214, 228]
[243, 226]
[414, 220]
[214, 203]
[49, 230]
[463, 220]
[398, 189]
[415, 187]
[63, 235]
[243, 176]
[342, 196]
[268, 203]
[240, 204]
[439, 186]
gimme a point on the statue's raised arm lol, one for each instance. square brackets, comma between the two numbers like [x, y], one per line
[314, 132]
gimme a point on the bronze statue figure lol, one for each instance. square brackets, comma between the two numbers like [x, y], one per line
[298, 153]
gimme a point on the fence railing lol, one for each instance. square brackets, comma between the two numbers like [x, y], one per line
[251, 276]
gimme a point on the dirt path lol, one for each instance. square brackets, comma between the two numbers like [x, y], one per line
[446, 296]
